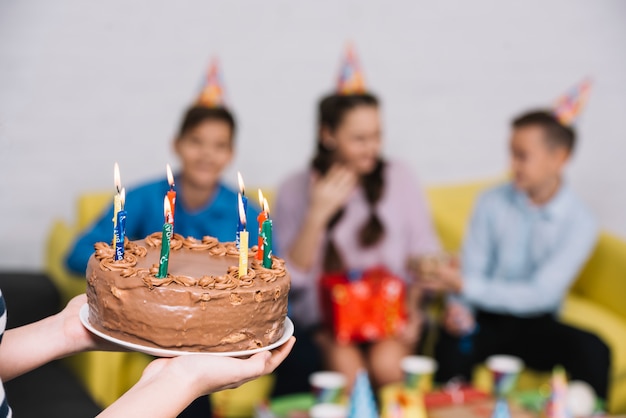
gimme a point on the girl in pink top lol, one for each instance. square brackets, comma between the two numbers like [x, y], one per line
[352, 210]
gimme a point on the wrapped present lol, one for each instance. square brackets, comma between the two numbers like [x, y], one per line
[368, 308]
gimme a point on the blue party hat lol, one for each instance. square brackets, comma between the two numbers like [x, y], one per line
[362, 403]
[501, 409]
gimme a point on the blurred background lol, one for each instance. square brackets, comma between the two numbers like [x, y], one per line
[84, 84]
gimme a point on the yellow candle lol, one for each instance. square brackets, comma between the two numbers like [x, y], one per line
[243, 253]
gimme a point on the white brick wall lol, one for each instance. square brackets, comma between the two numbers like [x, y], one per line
[83, 84]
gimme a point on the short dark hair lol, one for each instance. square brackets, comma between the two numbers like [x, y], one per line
[196, 114]
[556, 133]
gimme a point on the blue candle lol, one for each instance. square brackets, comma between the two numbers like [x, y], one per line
[241, 226]
[120, 228]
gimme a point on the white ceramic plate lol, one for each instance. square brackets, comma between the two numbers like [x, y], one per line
[161, 352]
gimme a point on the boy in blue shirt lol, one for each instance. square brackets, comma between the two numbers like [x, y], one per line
[526, 243]
[204, 204]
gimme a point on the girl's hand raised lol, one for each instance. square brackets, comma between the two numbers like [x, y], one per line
[331, 192]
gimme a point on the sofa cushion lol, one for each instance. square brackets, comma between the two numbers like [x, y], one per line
[585, 314]
[603, 279]
[90, 207]
[451, 207]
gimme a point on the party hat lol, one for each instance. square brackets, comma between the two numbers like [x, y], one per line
[212, 92]
[351, 79]
[362, 403]
[568, 107]
[501, 409]
[557, 404]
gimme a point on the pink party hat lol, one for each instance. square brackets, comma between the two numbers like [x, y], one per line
[568, 107]
[557, 404]
[350, 79]
[212, 92]
[362, 403]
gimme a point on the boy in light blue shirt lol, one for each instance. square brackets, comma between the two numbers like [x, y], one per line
[526, 243]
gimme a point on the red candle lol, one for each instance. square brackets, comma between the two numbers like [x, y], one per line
[171, 195]
[261, 218]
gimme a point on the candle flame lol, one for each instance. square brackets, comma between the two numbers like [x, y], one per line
[266, 207]
[167, 208]
[170, 177]
[261, 199]
[123, 197]
[242, 212]
[116, 177]
[242, 189]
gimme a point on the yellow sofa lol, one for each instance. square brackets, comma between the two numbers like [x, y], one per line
[596, 302]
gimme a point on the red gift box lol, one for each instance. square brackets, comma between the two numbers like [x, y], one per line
[367, 309]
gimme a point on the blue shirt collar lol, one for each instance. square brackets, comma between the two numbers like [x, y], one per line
[216, 203]
[554, 209]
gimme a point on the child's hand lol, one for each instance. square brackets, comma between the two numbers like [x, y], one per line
[446, 277]
[168, 385]
[331, 192]
[78, 338]
[212, 373]
[458, 320]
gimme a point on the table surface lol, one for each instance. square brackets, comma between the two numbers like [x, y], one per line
[282, 407]
[285, 405]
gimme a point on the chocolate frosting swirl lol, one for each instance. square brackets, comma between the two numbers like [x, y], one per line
[105, 254]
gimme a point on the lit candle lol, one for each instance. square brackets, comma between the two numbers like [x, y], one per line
[242, 208]
[261, 218]
[243, 243]
[171, 195]
[117, 204]
[166, 237]
[266, 233]
[120, 228]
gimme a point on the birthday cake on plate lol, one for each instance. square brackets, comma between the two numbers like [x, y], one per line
[201, 305]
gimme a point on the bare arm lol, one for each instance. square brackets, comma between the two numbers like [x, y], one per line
[169, 385]
[30, 346]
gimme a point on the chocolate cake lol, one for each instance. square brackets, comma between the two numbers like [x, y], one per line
[202, 304]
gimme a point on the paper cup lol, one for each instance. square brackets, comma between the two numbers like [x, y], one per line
[505, 370]
[327, 387]
[328, 410]
[418, 372]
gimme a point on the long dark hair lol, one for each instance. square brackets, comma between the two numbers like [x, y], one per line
[197, 114]
[331, 113]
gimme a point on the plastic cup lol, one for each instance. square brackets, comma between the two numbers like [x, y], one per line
[418, 372]
[505, 370]
[327, 387]
[328, 410]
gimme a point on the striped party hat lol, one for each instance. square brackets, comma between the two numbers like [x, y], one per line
[557, 404]
[569, 106]
[350, 79]
[212, 92]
